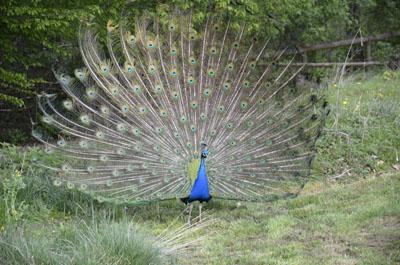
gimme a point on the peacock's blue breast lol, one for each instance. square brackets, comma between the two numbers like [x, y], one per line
[200, 191]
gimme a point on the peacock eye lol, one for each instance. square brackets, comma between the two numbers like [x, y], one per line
[227, 86]
[141, 113]
[152, 69]
[192, 60]
[211, 73]
[150, 44]
[131, 39]
[67, 104]
[229, 125]
[65, 79]
[137, 89]
[250, 123]
[194, 104]
[243, 105]
[70, 185]
[124, 109]
[81, 74]
[173, 72]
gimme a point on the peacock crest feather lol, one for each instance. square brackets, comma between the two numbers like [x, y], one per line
[137, 115]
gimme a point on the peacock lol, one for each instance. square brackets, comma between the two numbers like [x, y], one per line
[159, 97]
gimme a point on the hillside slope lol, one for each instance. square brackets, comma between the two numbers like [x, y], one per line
[348, 223]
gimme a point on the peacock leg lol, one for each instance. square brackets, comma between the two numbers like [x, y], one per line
[190, 213]
[200, 205]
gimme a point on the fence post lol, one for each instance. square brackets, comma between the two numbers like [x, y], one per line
[329, 55]
[368, 51]
[305, 59]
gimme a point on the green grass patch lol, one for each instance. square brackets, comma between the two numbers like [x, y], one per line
[335, 226]
[77, 243]
[361, 134]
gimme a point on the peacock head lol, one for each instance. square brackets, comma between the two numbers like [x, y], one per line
[204, 151]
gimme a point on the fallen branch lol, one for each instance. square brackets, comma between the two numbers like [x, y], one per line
[341, 174]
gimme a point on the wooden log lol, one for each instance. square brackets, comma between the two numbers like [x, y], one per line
[333, 64]
[340, 43]
[347, 42]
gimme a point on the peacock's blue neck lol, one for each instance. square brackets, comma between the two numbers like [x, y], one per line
[200, 190]
[202, 163]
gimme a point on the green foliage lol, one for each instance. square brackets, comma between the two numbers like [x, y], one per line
[16, 136]
[383, 51]
[9, 79]
[34, 34]
[13, 184]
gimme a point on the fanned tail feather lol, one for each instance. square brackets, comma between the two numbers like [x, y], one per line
[136, 118]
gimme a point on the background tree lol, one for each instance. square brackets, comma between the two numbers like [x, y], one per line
[36, 34]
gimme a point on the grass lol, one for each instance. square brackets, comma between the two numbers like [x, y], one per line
[349, 212]
[355, 223]
[362, 131]
[74, 242]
